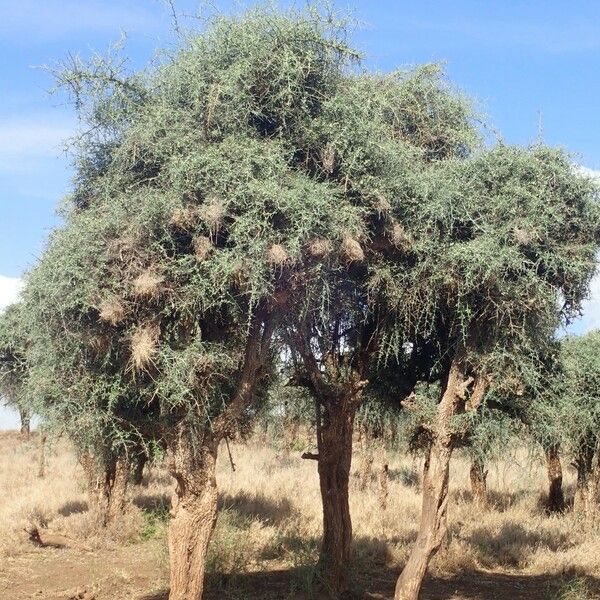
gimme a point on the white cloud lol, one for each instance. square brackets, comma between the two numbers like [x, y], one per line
[24, 141]
[10, 288]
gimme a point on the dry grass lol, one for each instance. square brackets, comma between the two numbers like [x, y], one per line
[270, 521]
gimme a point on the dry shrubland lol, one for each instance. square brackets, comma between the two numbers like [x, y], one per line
[270, 523]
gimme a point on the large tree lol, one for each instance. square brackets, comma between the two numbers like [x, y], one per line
[201, 195]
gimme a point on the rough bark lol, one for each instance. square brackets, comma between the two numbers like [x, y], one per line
[107, 487]
[192, 456]
[433, 524]
[25, 417]
[194, 512]
[478, 475]
[556, 499]
[588, 484]
[334, 440]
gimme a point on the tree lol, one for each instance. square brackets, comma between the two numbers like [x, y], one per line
[513, 232]
[199, 196]
[567, 415]
[382, 136]
[13, 365]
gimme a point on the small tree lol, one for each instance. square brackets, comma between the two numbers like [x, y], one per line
[567, 415]
[13, 364]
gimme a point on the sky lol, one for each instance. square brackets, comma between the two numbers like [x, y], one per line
[532, 67]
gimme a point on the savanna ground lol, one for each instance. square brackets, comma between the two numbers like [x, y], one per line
[267, 535]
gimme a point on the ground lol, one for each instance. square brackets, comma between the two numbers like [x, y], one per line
[269, 525]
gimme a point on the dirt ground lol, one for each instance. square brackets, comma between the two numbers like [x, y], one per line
[134, 573]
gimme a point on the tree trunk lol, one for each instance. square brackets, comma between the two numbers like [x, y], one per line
[588, 482]
[334, 440]
[433, 525]
[138, 471]
[25, 417]
[107, 487]
[42, 457]
[478, 476]
[194, 514]
[556, 499]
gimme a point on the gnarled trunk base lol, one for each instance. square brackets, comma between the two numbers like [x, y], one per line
[107, 487]
[191, 527]
[194, 513]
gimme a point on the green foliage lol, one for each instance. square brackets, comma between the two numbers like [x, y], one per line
[567, 410]
[257, 175]
[14, 343]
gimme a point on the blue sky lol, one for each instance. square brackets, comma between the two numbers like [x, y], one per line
[532, 66]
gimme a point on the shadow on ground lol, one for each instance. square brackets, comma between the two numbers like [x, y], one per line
[474, 585]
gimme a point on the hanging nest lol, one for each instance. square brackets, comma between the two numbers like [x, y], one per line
[202, 247]
[522, 236]
[122, 247]
[212, 212]
[148, 284]
[239, 276]
[144, 343]
[328, 159]
[352, 250]
[185, 218]
[399, 237]
[382, 204]
[111, 311]
[319, 247]
[277, 255]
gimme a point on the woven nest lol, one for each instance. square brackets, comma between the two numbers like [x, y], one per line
[184, 218]
[213, 213]
[144, 343]
[148, 284]
[522, 236]
[202, 247]
[382, 204]
[277, 255]
[352, 250]
[111, 311]
[319, 247]
[99, 344]
[400, 237]
[122, 247]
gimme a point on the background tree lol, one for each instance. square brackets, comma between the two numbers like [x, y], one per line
[379, 137]
[13, 362]
[567, 415]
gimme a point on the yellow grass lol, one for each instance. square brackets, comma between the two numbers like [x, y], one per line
[270, 518]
